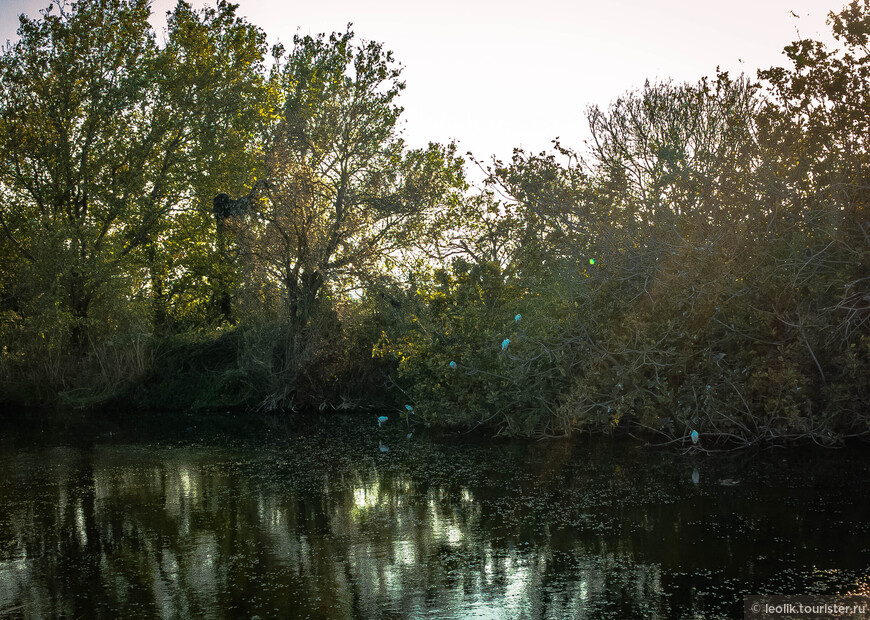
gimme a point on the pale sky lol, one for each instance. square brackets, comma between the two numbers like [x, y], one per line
[495, 75]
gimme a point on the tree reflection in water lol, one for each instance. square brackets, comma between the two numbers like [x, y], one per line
[330, 527]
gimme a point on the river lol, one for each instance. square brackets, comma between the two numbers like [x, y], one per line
[340, 519]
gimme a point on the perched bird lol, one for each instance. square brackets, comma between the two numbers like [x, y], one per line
[382, 420]
[518, 317]
[505, 343]
[453, 365]
[694, 436]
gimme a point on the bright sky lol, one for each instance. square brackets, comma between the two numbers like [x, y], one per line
[521, 72]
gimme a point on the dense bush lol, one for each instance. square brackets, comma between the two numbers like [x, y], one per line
[703, 265]
[478, 351]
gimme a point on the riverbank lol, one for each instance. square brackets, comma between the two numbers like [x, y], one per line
[30, 426]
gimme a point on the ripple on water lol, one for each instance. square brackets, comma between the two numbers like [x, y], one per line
[325, 524]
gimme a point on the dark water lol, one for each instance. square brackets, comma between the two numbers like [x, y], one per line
[326, 524]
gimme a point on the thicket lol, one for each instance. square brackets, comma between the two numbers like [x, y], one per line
[192, 226]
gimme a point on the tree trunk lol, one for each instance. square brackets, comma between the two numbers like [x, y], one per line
[222, 294]
[79, 301]
[159, 301]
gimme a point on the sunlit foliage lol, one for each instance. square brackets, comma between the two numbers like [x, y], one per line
[703, 264]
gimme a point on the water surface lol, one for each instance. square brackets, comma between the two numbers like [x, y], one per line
[345, 521]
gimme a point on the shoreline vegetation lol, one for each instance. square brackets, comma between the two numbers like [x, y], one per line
[212, 225]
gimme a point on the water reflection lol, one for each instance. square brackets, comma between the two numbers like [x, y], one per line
[335, 527]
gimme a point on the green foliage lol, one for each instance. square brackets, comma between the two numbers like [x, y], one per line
[74, 149]
[715, 285]
[703, 265]
[344, 197]
[465, 315]
[107, 138]
[198, 370]
[213, 103]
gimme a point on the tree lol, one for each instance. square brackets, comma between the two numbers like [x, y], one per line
[817, 135]
[345, 196]
[109, 143]
[213, 108]
[73, 90]
[680, 150]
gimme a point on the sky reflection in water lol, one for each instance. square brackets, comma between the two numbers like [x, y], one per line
[327, 525]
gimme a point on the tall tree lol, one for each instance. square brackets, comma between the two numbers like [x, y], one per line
[72, 93]
[680, 150]
[817, 137]
[213, 107]
[345, 195]
[110, 140]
